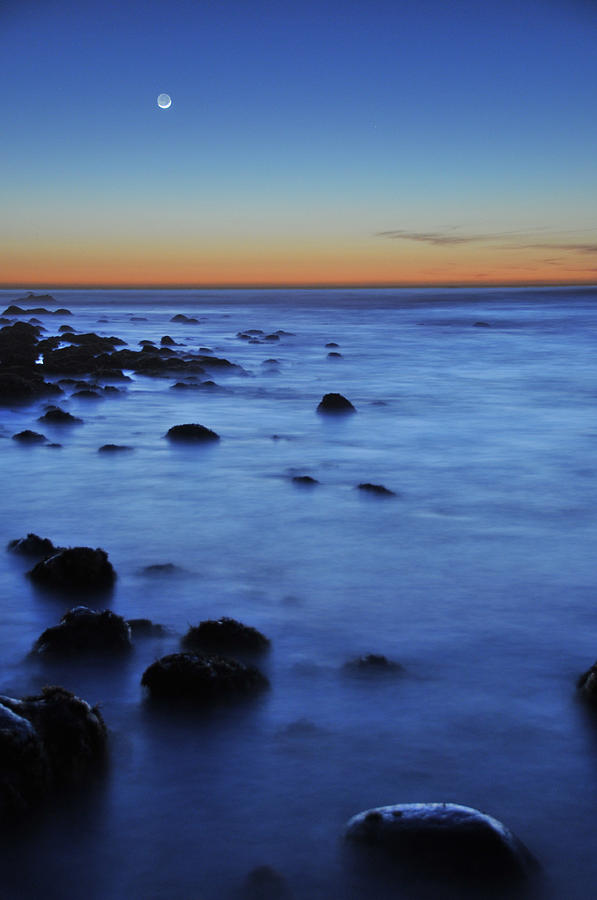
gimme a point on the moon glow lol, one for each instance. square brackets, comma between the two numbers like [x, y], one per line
[164, 101]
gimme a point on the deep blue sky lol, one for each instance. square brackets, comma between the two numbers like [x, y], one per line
[297, 132]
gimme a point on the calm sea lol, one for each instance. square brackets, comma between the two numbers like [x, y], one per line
[478, 577]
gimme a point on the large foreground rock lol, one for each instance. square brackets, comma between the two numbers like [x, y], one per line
[443, 839]
[193, 676]
[82, 631]
[47, 741]
[75, 568]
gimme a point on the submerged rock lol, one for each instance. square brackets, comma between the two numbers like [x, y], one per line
[160, 569]
[75, 568]
[191, 676]
[224, 634]
[335, 403]
[114, 448]
[333, 354]
[192, 432]
[32, 545]
[442, 839]
[29, 437]
[372, 663]
[84, 630]
[305, 480]
[47, 741]
[376, 489]
[264, 883]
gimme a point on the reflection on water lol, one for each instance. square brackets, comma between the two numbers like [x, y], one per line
[478, 578]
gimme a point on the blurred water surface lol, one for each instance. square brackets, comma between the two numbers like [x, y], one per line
[479, 577]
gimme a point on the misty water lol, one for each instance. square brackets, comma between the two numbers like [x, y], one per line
[478, 577]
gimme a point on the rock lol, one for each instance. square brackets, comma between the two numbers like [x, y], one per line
[147, 343]
[224, 635]
[332, 344]
[29, 437]
[64, 328]
[32, 545]
[587, 684]
[160, 569]
[185, 386]
[443, 839]
[189, 320]
[335, 403]
[138, 319]
[306, 480]
[482, 325]
[272, 337]
[205, 678]
[264, 883]
[334, 355]
[168, 341]
[75, 568]
[23, 387]
[47, 741]
[83, 631]
[191, 433]
[372, 663]
[254, 331]
[285, 333]
[18, 345]
[376, 489]
[62, 312]
[87, 394]
[114, 448]
[57, 416]
[145, 628]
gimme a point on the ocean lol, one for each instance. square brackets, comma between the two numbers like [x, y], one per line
[477, 576]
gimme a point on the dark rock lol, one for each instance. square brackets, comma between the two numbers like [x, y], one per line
[185, 386]
[284, 333]
[334, 355]
[19, 387]
[272, 337]
[94, 342]
[264, 883]
[376, 489]
[138, 319]
[482, 325]
[200, 677]
[147, 344]
[83, 631]
[44, 298]
[57, 416]
[443, 839]
[18, 345]
[168, 341]
[110, 389]
[224, 635]
[205, 350]
[53, 446]
[332, 344]
[254, 331]
[587, 684]
[114, 448]
[243, 336]
[75, 568]
[180, 317]
[191, 433]
[62, 312]
[47, 742]
[335, 403]
[64, 328]
[145, 628]
[87, 394]
[372, 663]
[29, 437]
[304, 480]
[14, 310]
[32, 545]
[270, 362]
[160, 569]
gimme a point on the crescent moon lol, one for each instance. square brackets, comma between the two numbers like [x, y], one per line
[164, 101]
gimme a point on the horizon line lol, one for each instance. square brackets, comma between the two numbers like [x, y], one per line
[152, 286]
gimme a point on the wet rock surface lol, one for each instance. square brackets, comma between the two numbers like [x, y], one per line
[84, 631]
[304, 480]
[443, 839]
[378, 489]
[114, 448]
[200, 677]
[587, 685]
[75, 568]
[32, 545]
[191, 433]
[47, 741]
[372, 664]
[224, 635]
[57, 416]
[335, 403]
[145, 628]
[29, 437]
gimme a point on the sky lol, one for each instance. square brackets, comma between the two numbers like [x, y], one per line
[308, 143]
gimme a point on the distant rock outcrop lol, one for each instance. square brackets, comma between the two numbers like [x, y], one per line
[378, 489]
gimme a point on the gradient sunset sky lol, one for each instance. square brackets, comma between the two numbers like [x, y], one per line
[413, 141]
